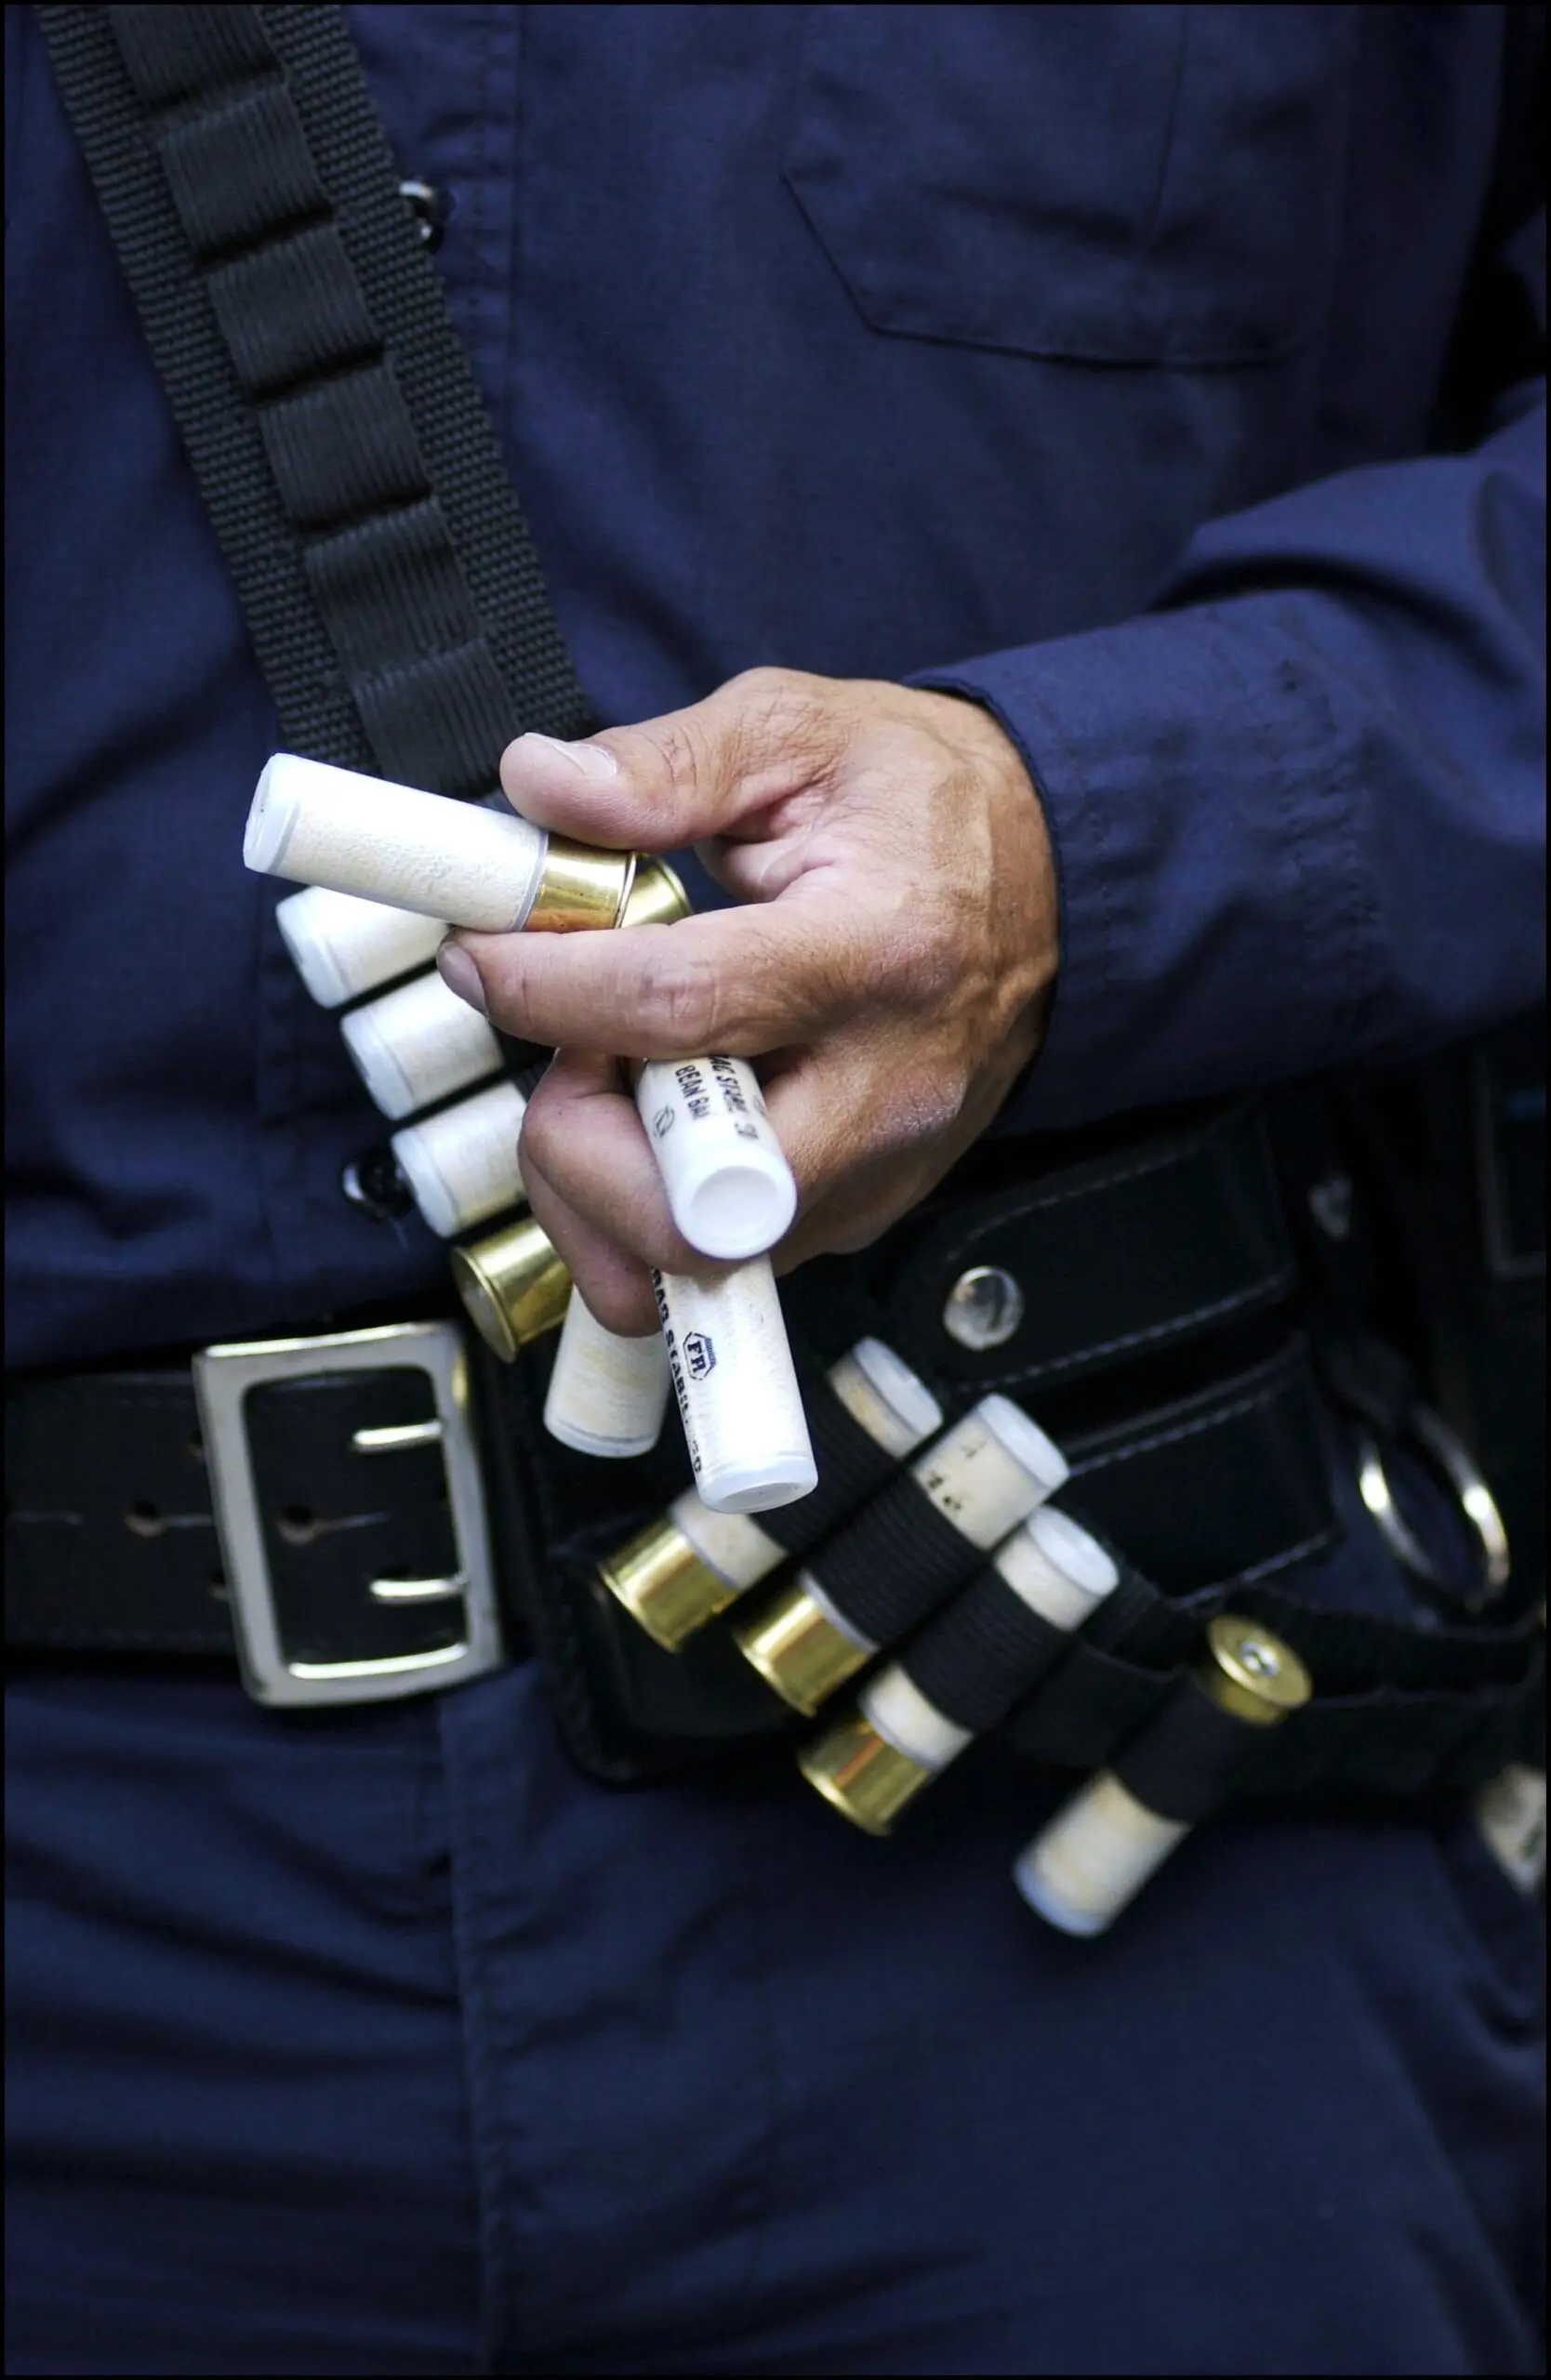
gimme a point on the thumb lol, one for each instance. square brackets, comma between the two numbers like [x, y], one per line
[707, 771]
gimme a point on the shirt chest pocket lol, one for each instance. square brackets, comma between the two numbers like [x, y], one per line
[1125, 184]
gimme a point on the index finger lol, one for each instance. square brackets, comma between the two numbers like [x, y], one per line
[741, 979]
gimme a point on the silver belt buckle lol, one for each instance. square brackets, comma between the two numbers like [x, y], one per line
[223, 1378]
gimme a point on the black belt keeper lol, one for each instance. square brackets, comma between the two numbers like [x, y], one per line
[976, 1658]
[1191, 1757]
[852, 1465]
[891, 1566]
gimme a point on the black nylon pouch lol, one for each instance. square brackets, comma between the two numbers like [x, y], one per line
[1219, 1418]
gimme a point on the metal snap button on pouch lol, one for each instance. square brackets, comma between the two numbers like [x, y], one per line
[983, 1308]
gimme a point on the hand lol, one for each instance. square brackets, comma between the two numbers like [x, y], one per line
[891, 971]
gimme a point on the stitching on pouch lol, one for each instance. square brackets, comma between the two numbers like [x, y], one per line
[1267, 1281]
[1314, 1544]
[1135, 1170]
[1193, 1428]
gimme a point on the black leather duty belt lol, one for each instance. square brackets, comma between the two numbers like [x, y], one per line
[351, 1558]
[370, 1515]
[316, 1505]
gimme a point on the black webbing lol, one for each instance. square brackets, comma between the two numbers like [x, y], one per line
[852, 1466]
[1396, 1745]
[975, 1659]
[1346, 1651]
[339, 439]
[1186, 1762]
[1090, 1703]
[1396, 1713]
[895, 1561]
[1400, 1709]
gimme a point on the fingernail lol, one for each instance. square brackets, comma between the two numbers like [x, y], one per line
[460, 975]
[593, 759]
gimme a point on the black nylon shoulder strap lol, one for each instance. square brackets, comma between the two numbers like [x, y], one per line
[384, 567]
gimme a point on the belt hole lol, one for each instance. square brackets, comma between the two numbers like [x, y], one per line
[218, 1587]
[196, 1446]
[297, 1524]
[144, 1520]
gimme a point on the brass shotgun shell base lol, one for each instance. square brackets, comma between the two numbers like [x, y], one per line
[664, 1585]
[863, 1776]
[798, 1649]
[1250, 1672]
[656, 898]
[513, 1286]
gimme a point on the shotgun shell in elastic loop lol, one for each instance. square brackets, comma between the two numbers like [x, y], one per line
[461, 1162]
[861, 1774]
[663, 1583]
[514, 1285]
[1250, 1672]
[984, 1475]
[1096, 1855]
[691, 1562]
[874, 1759]
[802, 1646]
[419, 1044]
[344, 946]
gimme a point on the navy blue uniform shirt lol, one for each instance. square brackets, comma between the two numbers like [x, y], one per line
[1155, 373]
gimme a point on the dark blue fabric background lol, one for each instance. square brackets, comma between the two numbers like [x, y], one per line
[410, 2052]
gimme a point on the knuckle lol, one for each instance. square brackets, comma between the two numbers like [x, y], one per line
[678, 1002]
[524, 977]
[856, 969]
[767, 691]
[775, 996]
[541, 1136]
[786, 710]
[682, 749]
[926, 956]
[510, 1006]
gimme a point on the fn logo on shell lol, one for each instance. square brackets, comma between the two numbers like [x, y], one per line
[700, 1355]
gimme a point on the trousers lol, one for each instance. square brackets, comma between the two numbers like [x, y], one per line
[382, 2042]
